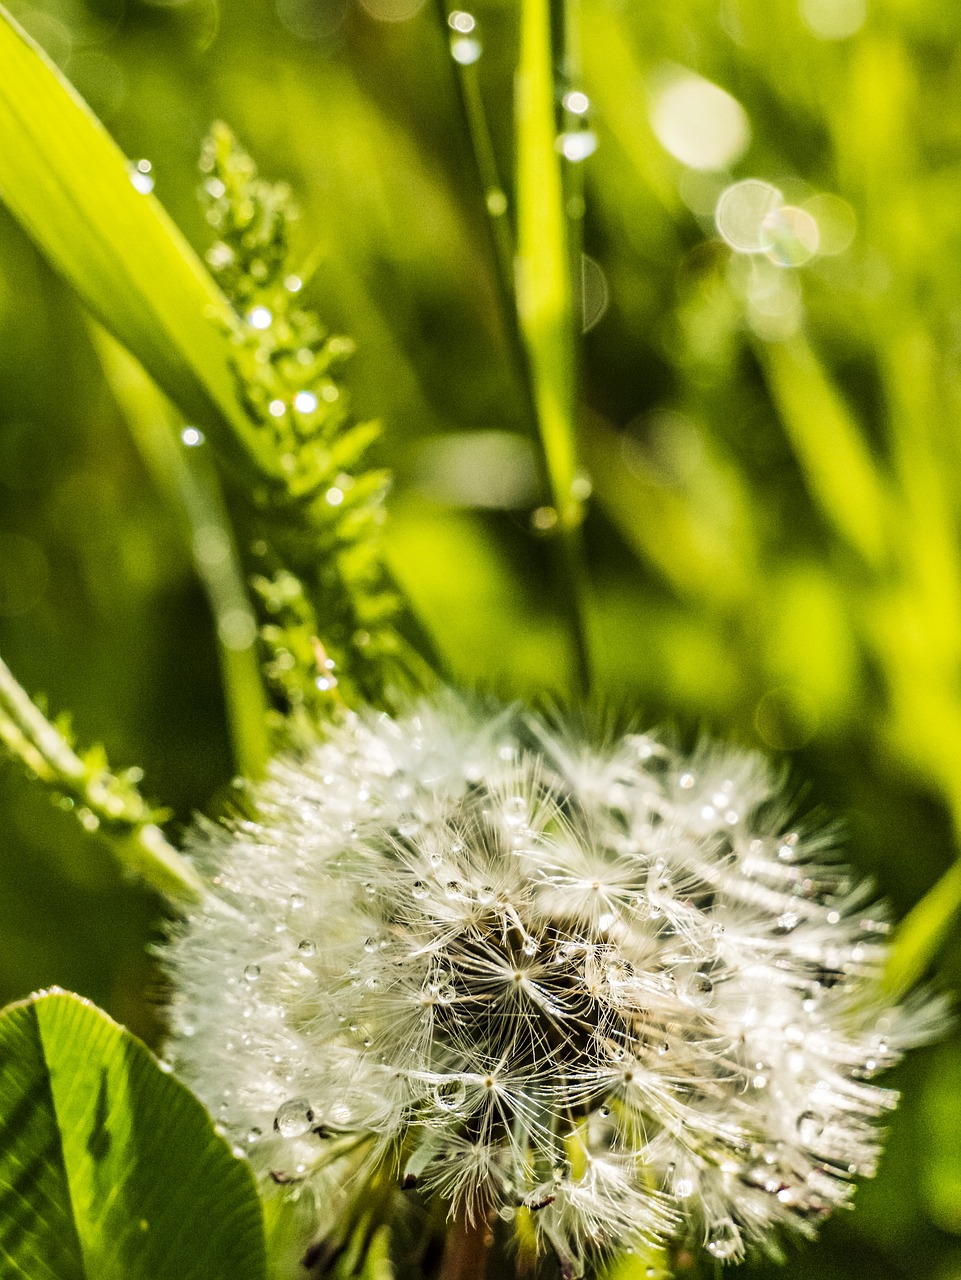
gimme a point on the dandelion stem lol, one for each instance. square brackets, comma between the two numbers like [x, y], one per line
[111, 803]
[465, 1250]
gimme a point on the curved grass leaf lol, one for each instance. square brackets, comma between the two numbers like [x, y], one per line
[68, 185]
[109, 1168]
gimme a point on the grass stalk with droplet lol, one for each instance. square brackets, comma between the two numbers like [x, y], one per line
[105, 803]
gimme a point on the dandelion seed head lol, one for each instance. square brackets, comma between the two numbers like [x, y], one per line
[603, 984]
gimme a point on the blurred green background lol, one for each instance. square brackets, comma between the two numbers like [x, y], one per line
[775, 449]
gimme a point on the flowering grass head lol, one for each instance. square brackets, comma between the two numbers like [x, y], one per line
[600, 993]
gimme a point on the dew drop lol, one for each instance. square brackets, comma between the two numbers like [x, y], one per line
[810, 1127]
[577, 144]
[496, 202]
[305, 402]
[577, 102]
[297, 901]
[725, 1241]
[306, 947]
[294, 1118]
[419, 889]
[466, 50]
[515, 811]
[141, 176]
[700, 989]
[259, 318]
[449, 1094]
[252, 1136]
[252, 972]
[530, 947]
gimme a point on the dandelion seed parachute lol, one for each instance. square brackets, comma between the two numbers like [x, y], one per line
[598, 988]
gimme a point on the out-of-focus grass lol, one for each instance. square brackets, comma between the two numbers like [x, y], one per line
[773, 537]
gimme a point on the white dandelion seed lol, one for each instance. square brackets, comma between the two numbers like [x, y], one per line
[600, 985]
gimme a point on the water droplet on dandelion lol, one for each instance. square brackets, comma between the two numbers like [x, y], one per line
[306, 947]
[700, 989]
[810, 1127]
[515, 811]
[252, 972]
[294, 1118]
[449, 1094]
[725, 1240]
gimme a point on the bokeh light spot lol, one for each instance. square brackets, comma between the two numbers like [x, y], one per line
[837, 223]
[790, 236]
[833, 19]
[699, 123]
[741, 212]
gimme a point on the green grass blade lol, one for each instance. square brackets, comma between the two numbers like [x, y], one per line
[110, 1169]
[68, 185]
[829, 445]
[188, 480]
[545, 299]
[106, 803]
[923, 931]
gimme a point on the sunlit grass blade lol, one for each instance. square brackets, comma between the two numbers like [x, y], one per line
[922, 933]
[829, 445]
[545, 299]
[187, 478]
[110, 1169]
[68, 185]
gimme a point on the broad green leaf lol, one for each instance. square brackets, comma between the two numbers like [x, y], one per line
[110, 1169]
[68, 184]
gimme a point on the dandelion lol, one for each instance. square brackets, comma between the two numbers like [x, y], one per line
[597, 992]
